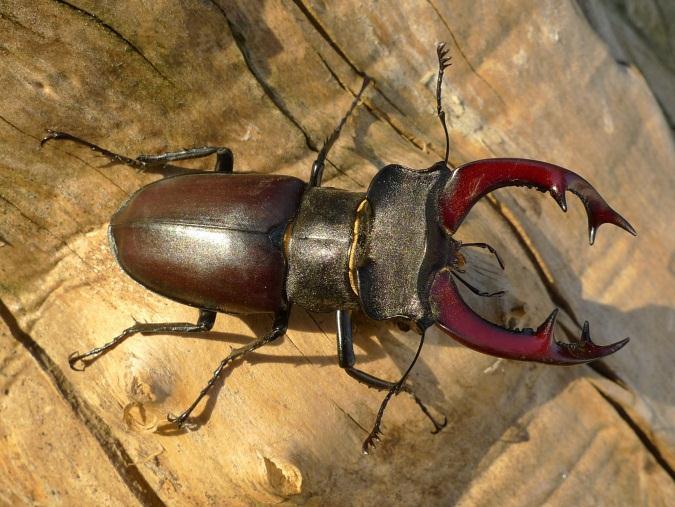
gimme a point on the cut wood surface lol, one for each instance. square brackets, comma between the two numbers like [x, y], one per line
[271, 79]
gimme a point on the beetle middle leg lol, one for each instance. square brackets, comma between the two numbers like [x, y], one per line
[224, 156]
[205, 323]
[278, 329]
[347, 359]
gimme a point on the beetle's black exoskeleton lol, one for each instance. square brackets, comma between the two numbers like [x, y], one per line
[252, 243]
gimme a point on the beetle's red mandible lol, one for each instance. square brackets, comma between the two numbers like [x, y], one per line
[466, 186]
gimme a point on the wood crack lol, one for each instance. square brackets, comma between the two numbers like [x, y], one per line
[16, 22]
[382, 115]
[461, 53]
[351, 418]
[598, 366]
[15, 127]
[129, 473]
[43, 228]
[374, 111]
[271, 94]
[314, 21]
[641, 435]
[307, 359]
[4, 241]
[117, 34]
[278, 102]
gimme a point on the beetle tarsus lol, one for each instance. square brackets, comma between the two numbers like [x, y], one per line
[79, 362]
[280, 326]
[113, 157]
[374, 435]
[438, 426]
[76, 361]
[181, 422]
[84, 360]
[370, 442]
[224, 156]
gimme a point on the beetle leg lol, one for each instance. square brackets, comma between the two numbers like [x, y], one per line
[318, 165]
[113, 157]
[205, 322]
[347, 359]
[278, 329]
[472, 181]
[224, 157]
[458, 320]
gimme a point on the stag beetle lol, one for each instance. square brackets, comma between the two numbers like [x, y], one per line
[254, 243]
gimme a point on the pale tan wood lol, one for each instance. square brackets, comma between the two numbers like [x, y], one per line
[48, 456]
[529, 79]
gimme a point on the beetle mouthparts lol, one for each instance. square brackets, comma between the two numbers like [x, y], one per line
[465, 187]
[455, 317]
[474, 180]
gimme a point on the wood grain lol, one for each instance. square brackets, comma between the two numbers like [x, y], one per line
[270, 79]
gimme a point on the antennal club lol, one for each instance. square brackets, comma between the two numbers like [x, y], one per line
[444, 61]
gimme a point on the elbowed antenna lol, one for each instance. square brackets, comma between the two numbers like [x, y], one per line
[444, 61]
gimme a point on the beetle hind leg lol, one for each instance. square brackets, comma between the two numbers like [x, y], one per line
[224, 156]
[347, 359]
[205, 323]
[279, 329]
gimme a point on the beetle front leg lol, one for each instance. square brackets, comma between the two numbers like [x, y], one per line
[204, 324]
[224, 156]
[347, 359]
[318, 165]
[279, 329]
